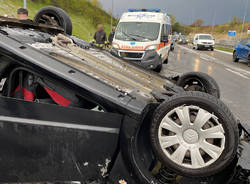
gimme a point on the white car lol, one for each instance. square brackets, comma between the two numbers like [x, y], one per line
[203, 41]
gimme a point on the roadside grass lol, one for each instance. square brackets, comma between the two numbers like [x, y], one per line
[224, 49]
[82, 26]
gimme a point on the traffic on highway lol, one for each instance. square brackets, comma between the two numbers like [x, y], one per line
[147, 104]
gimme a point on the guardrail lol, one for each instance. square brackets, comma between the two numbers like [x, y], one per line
[230, 44]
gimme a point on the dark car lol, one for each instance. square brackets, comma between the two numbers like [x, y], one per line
[70, 112]
[242, 51]
[182, 40]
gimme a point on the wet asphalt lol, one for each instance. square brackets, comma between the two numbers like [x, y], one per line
[233, 78]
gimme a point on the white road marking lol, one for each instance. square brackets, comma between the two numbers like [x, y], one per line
[204, 58]
[224, 52]
[58, 124]
[237, 73]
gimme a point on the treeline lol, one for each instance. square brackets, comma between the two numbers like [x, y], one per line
[86, 8]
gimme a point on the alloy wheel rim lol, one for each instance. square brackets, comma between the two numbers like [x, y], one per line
[191, 137]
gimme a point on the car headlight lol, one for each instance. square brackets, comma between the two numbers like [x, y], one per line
[152, 47]
[115, 46]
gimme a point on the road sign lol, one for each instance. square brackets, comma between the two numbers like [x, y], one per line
[248, 31]
[232, 33]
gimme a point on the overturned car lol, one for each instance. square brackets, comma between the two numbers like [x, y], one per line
[70, 112]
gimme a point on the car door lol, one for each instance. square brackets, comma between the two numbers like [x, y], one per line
[45, 142]
[164, 46]
[240, 49]
[195, 40]
[245, 49]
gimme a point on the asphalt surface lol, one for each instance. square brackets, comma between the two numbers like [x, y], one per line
[233, 78]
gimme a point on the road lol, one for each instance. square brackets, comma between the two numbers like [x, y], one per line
[233, 78]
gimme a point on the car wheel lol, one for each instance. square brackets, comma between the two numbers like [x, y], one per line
[248, 64]
[158, 68]
[212, 49]
[166, 61]
[53, 15]
[194, 134]
[197, 81]
[235, 58]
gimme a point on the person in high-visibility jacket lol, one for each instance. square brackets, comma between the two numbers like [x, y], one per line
[100, 36]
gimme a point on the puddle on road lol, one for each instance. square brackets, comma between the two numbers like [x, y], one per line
[197, 65]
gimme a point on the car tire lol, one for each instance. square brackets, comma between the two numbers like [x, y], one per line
[189, 139]
[59, 15]
[158, 68]
[212, 49]
[166, 61]
[198, 81]
[235, 58]
[248, 63]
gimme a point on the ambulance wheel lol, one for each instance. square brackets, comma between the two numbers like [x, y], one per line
[158, 68]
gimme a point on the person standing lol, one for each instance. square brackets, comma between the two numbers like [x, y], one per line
[22, 14]
[111, 35]
[100, 35]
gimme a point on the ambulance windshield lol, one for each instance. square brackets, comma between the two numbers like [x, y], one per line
[137, 31]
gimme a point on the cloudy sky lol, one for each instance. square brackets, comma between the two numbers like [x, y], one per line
[186, 11]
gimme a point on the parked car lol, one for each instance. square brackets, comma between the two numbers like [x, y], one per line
[70, 112]
[242, 51]
[203, 41]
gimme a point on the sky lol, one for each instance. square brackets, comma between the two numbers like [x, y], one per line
[186, 11]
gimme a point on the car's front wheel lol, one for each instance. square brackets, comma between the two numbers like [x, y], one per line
[158, 68]
[248, 64]
[194, 134]
[235, 57]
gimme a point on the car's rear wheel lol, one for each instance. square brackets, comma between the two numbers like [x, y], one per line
[194, 134]
[197, 81]
[235, 57]
[52, 15]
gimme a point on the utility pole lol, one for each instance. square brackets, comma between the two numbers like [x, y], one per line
[24, 4]
[112, 11]
[244, 19]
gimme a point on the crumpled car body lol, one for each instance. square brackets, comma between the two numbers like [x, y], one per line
[70, 112]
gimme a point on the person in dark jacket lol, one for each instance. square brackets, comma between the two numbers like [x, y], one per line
[100, 35]
[111, 36]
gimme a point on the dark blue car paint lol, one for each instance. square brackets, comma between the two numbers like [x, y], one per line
[243, 50]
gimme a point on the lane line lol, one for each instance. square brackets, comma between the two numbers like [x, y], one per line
[237, 73]
[207, 59]
[224, 52]
[233, 69]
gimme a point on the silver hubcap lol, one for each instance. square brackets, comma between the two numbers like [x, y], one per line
[191, 137]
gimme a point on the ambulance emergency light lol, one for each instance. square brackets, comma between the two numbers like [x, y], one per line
[144, 10]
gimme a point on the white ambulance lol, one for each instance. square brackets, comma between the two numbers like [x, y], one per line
[142, 37]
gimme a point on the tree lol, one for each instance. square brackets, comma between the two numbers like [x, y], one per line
[177, 27]
[173, 19]
[198, 23]
[235, 20]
